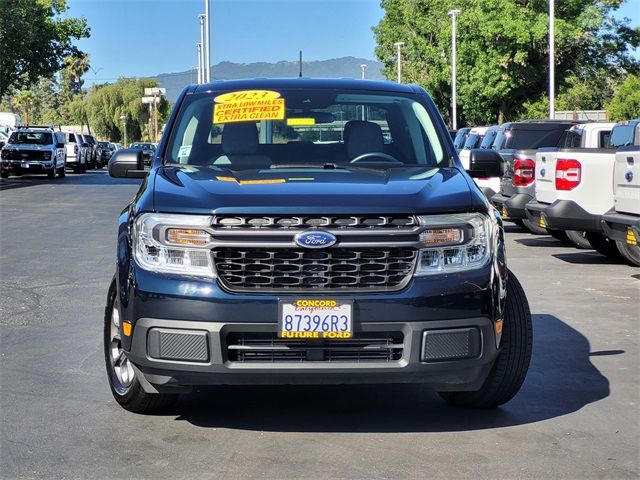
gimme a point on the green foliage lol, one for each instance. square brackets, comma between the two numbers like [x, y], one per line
[590, 94]
[34, 39]
[625, 104]
[502, 50]
[107, 103]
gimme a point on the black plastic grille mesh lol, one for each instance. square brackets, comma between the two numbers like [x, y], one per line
[250, 347]
[287, 269]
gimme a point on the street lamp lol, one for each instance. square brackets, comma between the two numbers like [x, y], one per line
[398, 46]
[454, 108]
[124, 121]
[552, 60]
[363, 67]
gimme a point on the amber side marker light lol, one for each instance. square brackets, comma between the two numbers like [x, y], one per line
[498, 327]
[438, 236]
[187, 236]
[126, 329]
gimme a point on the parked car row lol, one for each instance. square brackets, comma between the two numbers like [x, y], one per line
[576, 181]
[43, 149]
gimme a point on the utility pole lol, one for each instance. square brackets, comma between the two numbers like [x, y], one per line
[199, 48]
[552, 60]
[454, 100]
[363, 67]
[207, 43]
[398, 46]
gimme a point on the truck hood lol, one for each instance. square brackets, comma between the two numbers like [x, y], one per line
[207, 190]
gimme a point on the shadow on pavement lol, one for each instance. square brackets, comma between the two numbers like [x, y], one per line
[561, 380]
[92, 177]
[542, 241]
[588, 258]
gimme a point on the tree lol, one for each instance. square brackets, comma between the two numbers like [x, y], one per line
[625, 104]
[502, 49]
[34, 40]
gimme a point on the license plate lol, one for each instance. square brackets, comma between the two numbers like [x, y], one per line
[315, 318]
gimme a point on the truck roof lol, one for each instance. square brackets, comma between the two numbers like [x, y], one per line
[307, 83]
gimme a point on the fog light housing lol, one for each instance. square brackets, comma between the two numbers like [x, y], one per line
[449, 345]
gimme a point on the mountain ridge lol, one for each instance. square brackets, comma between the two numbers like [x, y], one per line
[331, 68]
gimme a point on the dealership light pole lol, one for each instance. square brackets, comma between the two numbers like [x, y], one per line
[199, 47]
[363, 67]
[203, 49]
[454, 100]
[552, 60]
[398, 46]
[207, 43]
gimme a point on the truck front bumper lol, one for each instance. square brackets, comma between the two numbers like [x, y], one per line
[513, 206]
[26, 167]
[438, 331]
[621, 227]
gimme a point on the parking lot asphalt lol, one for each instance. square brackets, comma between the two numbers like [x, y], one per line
[577, 415]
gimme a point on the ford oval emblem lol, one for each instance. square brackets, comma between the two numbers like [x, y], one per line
[628, 176]
[315, 239]
[542, 172]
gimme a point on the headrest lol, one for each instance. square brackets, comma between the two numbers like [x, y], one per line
[362, 137]
[240, 138]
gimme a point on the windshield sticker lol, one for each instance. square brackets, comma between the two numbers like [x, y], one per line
[295, 122]
[184, 151]
[248, 106]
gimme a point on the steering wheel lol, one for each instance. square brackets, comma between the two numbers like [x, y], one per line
[380, 155]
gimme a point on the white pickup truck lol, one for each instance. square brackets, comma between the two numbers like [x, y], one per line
[574, 188]
[622, 223]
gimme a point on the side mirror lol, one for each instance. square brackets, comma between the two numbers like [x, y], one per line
[59, 145]
[485, 163]
[127, 164]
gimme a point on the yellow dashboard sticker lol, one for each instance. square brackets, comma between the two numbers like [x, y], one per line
[294, 122]
[262, 182]
[248, 106]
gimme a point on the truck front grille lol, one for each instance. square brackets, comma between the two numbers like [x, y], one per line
[270, 222]
[256, 347]
[298, 269]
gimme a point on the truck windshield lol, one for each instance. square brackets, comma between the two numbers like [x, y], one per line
[488, 138]
[256, 129]
[31, 138]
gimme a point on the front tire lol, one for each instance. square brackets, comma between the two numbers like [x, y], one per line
[124, 384]
[510, 368]
[579, 239]
[631, 253]
[603, 245]
[52, 173]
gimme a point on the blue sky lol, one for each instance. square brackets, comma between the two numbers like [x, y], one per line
[148, 37]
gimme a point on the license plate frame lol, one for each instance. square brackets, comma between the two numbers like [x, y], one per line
[317, 318]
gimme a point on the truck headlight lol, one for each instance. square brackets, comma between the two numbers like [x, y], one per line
[453, 243]
[177, 244]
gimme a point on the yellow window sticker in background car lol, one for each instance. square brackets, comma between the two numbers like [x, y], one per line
[248, 106]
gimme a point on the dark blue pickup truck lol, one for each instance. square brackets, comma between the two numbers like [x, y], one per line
[304, 231]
